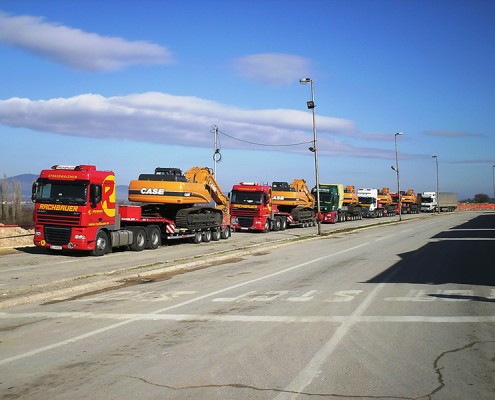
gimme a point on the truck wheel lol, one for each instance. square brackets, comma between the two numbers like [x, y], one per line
[267, 227]
[154, 237]
[283, 224]
[225, 233]
[139, 240]
[276, 224]
[198, 236]
[206, 237]
[101, 246]
[215, 235]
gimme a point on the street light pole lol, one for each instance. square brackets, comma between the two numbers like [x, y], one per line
[438, 199]
[396, 169]
[314, 149]
[493, 183]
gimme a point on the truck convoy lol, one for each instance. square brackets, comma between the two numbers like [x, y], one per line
[447, 201]
[75, 209]
[338, 204]
[376, 203]
[256, 207]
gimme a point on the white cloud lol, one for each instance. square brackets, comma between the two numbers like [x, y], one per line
[184, 121]
[272, 68]
[78, 49]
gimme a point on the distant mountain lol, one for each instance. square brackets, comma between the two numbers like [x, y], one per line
[26, 181]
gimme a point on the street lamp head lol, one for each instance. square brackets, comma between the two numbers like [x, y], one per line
[433, 156]
[304, 81]
[395, 169]
[398, 133]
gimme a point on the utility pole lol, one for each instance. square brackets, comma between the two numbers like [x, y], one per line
[217, 157]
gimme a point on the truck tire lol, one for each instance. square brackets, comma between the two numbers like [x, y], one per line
[283, 224]
[154, 237]
[267, 227]
[139, 240]
[225, 233]
[198, 236]
[101, 245]
[276, 224]
[206, 236]
[215, 235]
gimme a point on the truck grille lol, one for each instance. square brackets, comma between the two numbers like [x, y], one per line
[65, 218]
[57, 235]
[245, 212]
[245, 222]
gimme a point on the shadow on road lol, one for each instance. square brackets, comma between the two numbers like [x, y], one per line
[464, 254]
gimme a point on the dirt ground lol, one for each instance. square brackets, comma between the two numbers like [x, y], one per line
[14, 236]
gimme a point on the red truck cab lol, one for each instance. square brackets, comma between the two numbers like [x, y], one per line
[251, 207]
[72, 203]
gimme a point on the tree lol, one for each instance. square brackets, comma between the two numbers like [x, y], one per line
[481, 198]
[4, 199]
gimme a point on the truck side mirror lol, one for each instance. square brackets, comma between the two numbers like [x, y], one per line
[33, 192]
[95, 194]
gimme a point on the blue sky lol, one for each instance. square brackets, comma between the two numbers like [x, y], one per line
[132, 85]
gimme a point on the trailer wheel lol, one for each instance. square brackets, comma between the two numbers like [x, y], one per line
[154, 237]
[215, 235]
[198, 236]
[139, 240]
[225, 233]
[101, 246]
[206, 236]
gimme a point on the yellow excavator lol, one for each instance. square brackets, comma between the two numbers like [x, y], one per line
[295, 200]
[187, 199]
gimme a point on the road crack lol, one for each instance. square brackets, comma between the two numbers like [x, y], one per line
[244, 386]
[438, 369]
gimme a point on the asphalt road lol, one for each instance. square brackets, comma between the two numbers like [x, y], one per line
[33, 274]
[401, 311]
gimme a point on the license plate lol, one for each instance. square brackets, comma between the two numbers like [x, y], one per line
[54, 247]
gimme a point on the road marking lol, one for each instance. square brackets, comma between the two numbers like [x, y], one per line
[313, 367]
[234, 299]
[186, 302]
[134, 295]
[305, 297]
[384, 237]
[256, 318]
[342, 296]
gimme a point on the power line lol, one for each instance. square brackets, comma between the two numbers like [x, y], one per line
[263, 144]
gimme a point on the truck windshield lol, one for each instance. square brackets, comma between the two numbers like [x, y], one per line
[325, 197]
[62, 192]
[365, 200]
[238, 197]
[426, 200]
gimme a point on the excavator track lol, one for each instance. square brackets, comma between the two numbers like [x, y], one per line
[198, 217]
[302, 213]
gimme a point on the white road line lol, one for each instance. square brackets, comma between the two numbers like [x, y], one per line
[258, 318]
[384, 237]
[125, 322]
[313, 367]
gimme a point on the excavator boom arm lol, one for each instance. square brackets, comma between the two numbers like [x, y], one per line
[203, 175]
